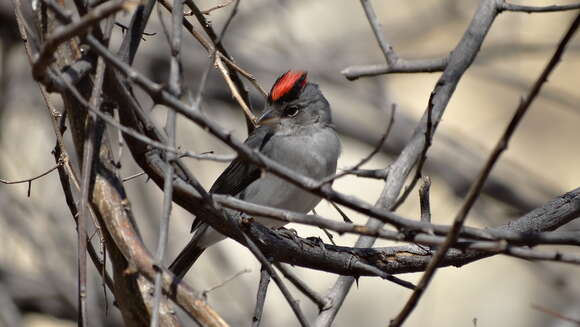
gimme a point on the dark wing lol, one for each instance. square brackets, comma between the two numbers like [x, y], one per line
[240, 173]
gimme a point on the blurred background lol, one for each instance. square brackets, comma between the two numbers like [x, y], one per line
[37, 234]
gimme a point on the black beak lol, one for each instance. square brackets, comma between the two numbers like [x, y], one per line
[269, 117]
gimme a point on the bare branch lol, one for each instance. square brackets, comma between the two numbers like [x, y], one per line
[267, 266]
[423, 157]
[459, 60]
[366, 159]
[400, 66]
[236, 275]
[472, 196]
[128, 178]
[134, 33]
[394, 63]
[26, 180]
[535, 9]
[175, 81]
[390, 55]
[230, 75]
[421, 232]
[261, 297]
[155, 151]
[322, 303]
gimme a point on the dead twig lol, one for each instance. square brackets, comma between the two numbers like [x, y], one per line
[219, 6]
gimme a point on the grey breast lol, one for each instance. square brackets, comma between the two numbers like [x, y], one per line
[313, 153]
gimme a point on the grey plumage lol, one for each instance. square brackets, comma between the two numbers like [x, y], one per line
[298, 134]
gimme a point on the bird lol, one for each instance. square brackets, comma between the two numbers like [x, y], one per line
[295, 130]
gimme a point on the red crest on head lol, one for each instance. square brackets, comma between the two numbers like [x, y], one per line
[288, 86]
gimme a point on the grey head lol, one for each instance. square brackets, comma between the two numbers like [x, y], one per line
[294, 103]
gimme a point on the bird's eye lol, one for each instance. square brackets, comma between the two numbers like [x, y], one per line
[291, 111]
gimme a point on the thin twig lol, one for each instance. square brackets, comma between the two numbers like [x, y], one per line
[341, 212]
[236, 275]
[421, 232]
[143, 138]
[27, 180]
[128, 178]
[322, 302]
[133, 37]
[88, 166]
[472, 196]
[267, 266]
[95, 129]
[401, 66]
[235, 90]
[371, 173]
[120, 140]
[90, 149]
[196, 103]
[175, 82]
[219, 6]
[87, 174]
[66, 173]
[424, 200]
[261, 297]
[535, 9]
[328, 234]
[555, 314]
[423, 157]
[367, 158]
[124, 28]
[394, 63]
[231, 76]
[390, 55]
[210, 48]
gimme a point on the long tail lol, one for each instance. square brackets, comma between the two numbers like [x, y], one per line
[186, 259]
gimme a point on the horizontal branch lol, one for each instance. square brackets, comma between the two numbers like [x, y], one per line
[411, 258]
[506, 6]
[398, 66]
[510, 234]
